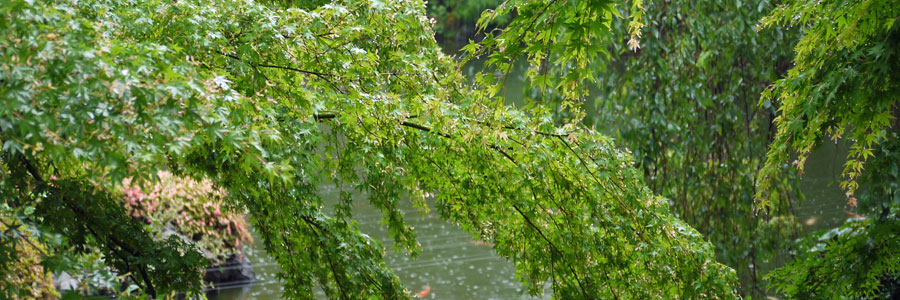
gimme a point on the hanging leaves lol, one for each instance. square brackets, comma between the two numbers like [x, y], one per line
[844, 84]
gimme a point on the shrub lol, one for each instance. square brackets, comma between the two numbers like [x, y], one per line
[192, 209]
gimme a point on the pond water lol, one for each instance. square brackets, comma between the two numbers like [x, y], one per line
[452, 265]
[825, 204]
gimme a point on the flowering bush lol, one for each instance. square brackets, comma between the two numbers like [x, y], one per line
[191, 209]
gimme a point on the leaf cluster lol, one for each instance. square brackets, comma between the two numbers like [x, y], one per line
[857, 260]
[560, 41]
[844, 84]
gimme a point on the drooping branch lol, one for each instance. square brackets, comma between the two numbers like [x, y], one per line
[528, 221]
[264, 65]
[328, 116]
[320, 75]
[316, 228]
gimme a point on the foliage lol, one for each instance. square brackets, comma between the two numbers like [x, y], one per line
[27, 279]
[844, 84]
[685, 105]
[881, 182]
[850, 261]
[454, 16]
[88, 275]
[37, 254]
[270, 101]
[194, 209]
[859, 259]
[96, 221]
[684, 101]
[559, 39]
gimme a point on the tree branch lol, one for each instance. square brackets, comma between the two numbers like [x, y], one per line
[337, 279]
[326, 116]
[322, 76]
[31, 169]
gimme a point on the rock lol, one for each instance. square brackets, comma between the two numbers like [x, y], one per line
[235, 270]
[65, 282]
[170, 230]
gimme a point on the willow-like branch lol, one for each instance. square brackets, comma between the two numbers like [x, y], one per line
[320, 75]
[328, 116]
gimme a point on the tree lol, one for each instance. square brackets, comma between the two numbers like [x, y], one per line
[685, 104]
[269, 101]
[844, 83]
[683, 100]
